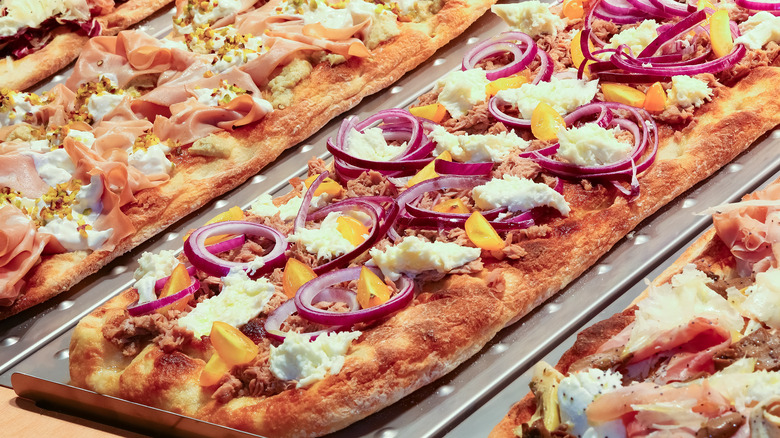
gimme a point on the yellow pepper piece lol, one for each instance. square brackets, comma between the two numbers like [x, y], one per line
[702, 4]
[451, 206]
[573, 9]
[656, 98]
[720, 33]
[232, 346]
[296, 274]
[213, 371]
[546, 122]
[178, 281]
[577, 57]
[328, 186]
[234, 214]
[482, 234]
[352, 229]
[623, 94]
[434, 112]
[428, 171]
[371, 290]
[514, 81]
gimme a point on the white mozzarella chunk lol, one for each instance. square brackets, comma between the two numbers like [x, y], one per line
[476, 148]
[531, 17]
[310, 361]
[517, 194]
[461, 90]
[563, 95]
[591, 145]
[415, 255]
[687, 91]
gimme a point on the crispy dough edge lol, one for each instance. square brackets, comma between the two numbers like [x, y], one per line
[720, 135]
[66, 46]
[326, 93]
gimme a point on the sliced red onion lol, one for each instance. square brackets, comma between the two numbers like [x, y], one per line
[670, 34]
[209, 263]
[306, 294]
[623, 61]
[444, 167]
[227, 245]
[273, 324]
[523, 51]
[151, 306]
[758, 6]
[303, 211]
[396, 124]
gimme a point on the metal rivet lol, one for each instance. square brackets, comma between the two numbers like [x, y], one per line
[221, 203]
[688, 203]
[119, 270]
[499, 348]
[439, 61]
[396, 90]
[445, 390]
[171, 236]
[641, 239]
[473, 40]
[306, 148]
[67, 304]
[775, 133]
[11, 340]
[62, 354]
[258, 178]
[387, 432]
[553, 307]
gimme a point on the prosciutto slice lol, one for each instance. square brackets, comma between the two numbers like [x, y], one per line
[129, 55]
[19, 174]
[752, 232]
[20, 248]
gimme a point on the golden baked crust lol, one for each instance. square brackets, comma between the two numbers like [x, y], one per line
[325, 93]
[426, 340]
[65, 46]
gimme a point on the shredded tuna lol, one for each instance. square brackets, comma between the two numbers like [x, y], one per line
[752, 60]
[477, 120]
[428, 98]
[274, 222]
[370, 183]
[603, 29]
[228, 389]
[317, 166]
[132, 333]
[497, 128]
[516, 166]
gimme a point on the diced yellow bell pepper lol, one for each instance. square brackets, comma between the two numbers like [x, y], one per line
[178, 281]
[328, 186]
[296, 274]
[720, 33]
[546, 122]
[655, 101]
[514, 81]
[702, 4]
[352, 229]
[482, 234]
[428, 171]
[213, 371]
[371, 290]
[573, 9]
[234, 214]
[623, 94]
[577, 57]
[434, 112]
[451, 206]
[234, 347]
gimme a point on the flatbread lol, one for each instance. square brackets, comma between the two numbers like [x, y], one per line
[65, 46]
[426, 340]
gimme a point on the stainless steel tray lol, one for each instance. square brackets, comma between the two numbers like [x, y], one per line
[36, 342]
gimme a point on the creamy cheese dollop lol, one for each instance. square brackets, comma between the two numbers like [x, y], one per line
[476, 148]
[531, 17]
[591, 145]
[563, 95]
[461, 90]
[310, 361]
[517, 194]
[415, 255]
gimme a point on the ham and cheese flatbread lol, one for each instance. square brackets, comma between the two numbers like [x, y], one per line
[695, 355]
[148, 130]
[40, 38]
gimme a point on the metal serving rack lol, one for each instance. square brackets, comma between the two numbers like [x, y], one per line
[468, 401]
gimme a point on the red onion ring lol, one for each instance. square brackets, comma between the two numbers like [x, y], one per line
[758, 6]
[273, 323]
[303, 211]
[306, 294]
[151, 306]
[444, 167]
[159, 284]
[523, 52]
[209, 263]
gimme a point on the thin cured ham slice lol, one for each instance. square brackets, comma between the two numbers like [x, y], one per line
[19, 174]
[753, 232]
[20, 248]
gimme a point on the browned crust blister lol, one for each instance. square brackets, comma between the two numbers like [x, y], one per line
[65, 45]
[425, 341]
